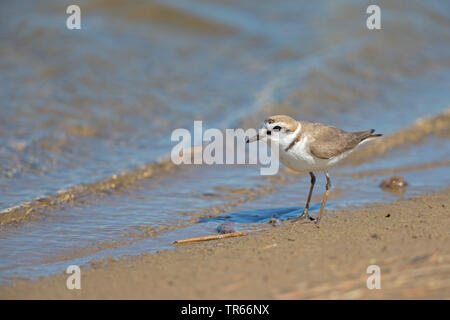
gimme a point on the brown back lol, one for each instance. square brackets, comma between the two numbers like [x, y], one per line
[326, 142]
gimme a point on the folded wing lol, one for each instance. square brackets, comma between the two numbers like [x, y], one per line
[328, 142]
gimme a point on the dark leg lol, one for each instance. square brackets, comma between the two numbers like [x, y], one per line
[305, 213]
[325, 197]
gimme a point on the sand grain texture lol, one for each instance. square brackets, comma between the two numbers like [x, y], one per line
[408, 239]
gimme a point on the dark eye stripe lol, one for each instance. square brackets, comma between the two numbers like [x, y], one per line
[276, 128]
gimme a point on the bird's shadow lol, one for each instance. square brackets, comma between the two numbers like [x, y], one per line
[259, 216]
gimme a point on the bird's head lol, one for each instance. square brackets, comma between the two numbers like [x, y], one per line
[280, 129]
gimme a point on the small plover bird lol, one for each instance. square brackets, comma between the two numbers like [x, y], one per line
[308, 147]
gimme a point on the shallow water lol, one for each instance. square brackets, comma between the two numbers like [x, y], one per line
[91, 112]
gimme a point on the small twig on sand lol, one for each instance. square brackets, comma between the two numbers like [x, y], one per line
[214, 237]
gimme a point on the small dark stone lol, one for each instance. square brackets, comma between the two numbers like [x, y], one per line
[275, 222]
[419, 258]
[394, 184]
[226, 227]
[388, 215]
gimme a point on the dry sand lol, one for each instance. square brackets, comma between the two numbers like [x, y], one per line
[408, 239]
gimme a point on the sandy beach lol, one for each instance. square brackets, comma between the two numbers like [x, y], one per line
[408, 239]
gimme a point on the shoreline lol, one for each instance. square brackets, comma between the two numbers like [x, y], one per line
[408, 239]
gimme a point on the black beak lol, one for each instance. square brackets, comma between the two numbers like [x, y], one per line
[260, 135]
[255, 138]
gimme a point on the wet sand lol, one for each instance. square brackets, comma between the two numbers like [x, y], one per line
[408, 239]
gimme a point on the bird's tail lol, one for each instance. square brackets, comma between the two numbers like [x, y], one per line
[370, 135]
[367, 135]
[376, 135]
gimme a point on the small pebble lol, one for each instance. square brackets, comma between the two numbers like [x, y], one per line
[226, 227]
[275, 222]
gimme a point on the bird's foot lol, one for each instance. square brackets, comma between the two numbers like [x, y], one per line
[304, 216]
[316, 223]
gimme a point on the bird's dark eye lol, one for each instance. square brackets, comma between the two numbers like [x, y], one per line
[276, 128]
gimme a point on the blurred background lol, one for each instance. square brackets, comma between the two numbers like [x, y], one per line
[86, 115]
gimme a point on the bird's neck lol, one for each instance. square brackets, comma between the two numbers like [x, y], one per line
[293, 138]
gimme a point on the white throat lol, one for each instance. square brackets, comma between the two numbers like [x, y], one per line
[292, 137]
